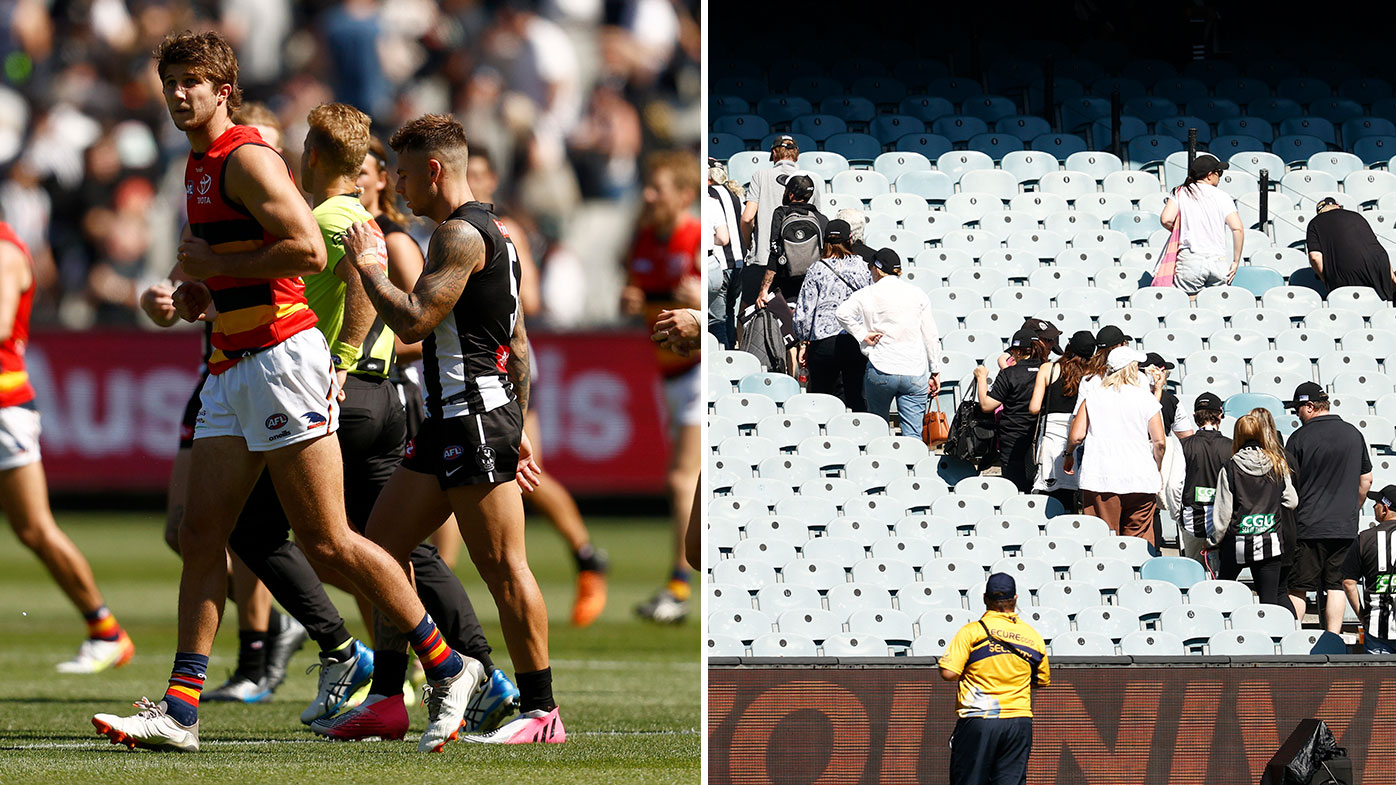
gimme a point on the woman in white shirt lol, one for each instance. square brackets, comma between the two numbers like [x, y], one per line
[1207, 212]
[1121, 424]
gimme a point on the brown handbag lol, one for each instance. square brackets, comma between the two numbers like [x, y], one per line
[935, 427]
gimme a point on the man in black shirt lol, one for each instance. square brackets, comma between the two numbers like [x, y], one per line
[1373, 562]
[1343, 250]
[1334, 473]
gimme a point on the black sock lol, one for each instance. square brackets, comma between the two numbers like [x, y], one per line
[340, 652]
[536, 691]
[483, 657]
[588, 559]
[389, 672]
[252, 654]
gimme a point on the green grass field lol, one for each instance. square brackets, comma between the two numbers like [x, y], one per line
[629, 691]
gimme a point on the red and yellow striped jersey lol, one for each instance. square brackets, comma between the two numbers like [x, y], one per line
[15, 388]
[253, 313]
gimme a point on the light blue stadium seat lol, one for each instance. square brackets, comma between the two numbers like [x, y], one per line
[1369, 185]
[892, 165]
[723, 646]
[1193, 624]
[1297, 148]
[929, 528]
[932, 146]
[860, 183]
[782, 645]
[1273, 620]
[1152, 643]
[819, 407]
[1223, 595]
[1050, 623]
[1258, 280]
[910, 551]
[1059, 146]
[828, 451]
[1238, 405]
[1170, 343]
[1374, 149]
[776, 386]
[891, 625]
[1083, 644]
[850, 645]
[818, 126]
[926, 108]
[1179, 571]
[1149, 598]
[814, 623]
[959, 128]
[725, 145]
[933, 186]
[1240, 643]
[1067, 183]
[917, 598]
[775, 600]
[857, 148]
[1208, 361]
[822, 574]
[1317, 127]
[886, 574]
[1151, 149]
[789, 524]
[953, 572]
[996, 146]
[1300, 642]
[1302, 342]
[1112, 621]
[1255, 127]
[1136, 225]
[787, 430]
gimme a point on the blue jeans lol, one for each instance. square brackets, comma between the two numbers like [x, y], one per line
[720, 305]
[1374, 645]
[912, 394]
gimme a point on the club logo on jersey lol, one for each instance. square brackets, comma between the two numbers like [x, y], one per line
[485, 457]
[452, 453]
[504, 230]
[205, 183]
[411, 451]
[277, 420]
[501, 359]
[188, 187]
[314, 420]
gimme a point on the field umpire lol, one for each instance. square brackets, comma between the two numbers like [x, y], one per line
[997, 660]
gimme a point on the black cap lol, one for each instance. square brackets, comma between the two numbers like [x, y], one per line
[1208, 402]
[1082, 343]
[1000, 586]
[837, 231]
[1386, 497]
[1324, 202]
[786, 141]
[888, 261]
[1204, 164]
[1110, 335]
[1155, 360]
[1023, 337]
[1044, 331]
[1305, 393]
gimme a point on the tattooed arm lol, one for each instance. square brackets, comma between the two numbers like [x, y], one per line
[519, 374]
[456, 251]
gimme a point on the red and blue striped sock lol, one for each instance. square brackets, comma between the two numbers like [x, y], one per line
[186, 684]
[102, 625]
[438, 660]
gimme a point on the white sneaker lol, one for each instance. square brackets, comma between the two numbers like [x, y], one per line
[96, 655]
[446, 702]
[151, 728]
[664, 608]
[531, 727]
[338, 682]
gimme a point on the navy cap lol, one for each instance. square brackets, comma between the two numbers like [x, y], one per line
[1024, 337]
[837, 231]
[1000, 586]
[1082, 343]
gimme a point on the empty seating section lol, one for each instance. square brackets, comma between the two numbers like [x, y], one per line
[835, 537]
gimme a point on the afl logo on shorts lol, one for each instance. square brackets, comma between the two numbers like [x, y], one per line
[452, 453]
[277, 420]
[485, 457]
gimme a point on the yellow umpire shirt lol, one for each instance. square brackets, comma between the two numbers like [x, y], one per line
[995, 682]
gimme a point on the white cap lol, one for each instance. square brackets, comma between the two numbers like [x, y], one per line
[1121, 356]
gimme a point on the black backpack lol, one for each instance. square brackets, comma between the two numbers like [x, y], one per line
[971, 433]
[802, 242]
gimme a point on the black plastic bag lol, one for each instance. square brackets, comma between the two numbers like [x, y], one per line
[1319, 747]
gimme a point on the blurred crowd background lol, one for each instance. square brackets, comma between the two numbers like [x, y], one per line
[567, 95]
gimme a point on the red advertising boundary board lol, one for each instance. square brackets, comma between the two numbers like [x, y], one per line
[112, 400]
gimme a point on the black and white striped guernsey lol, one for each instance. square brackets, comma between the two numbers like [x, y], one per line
[465, 358]
[1375, 554]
